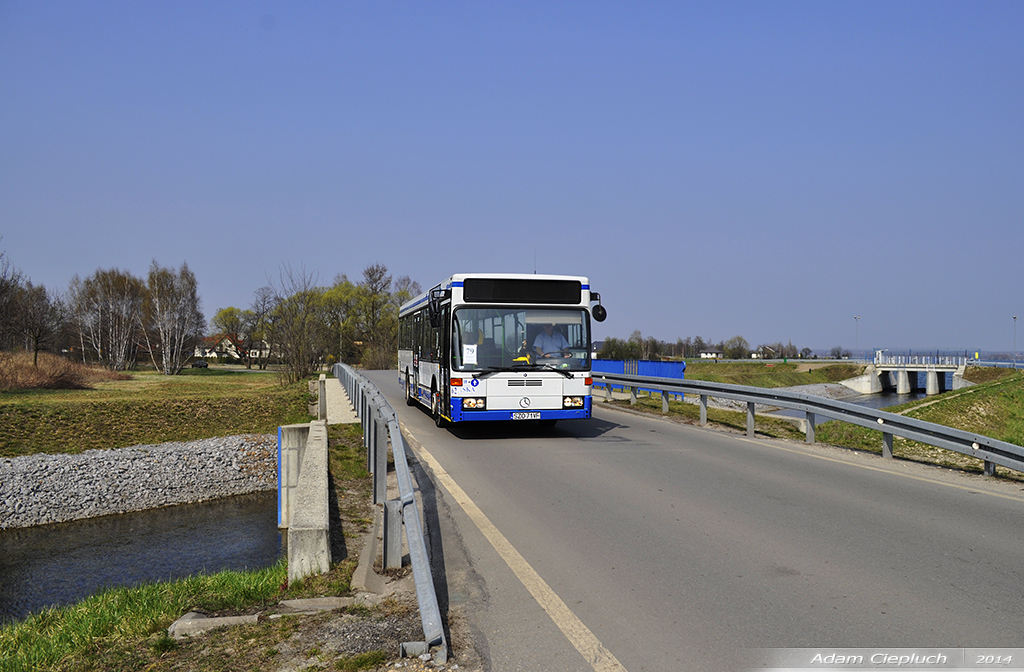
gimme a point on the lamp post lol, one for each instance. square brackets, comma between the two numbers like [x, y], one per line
[856, 333]
[1014, 342]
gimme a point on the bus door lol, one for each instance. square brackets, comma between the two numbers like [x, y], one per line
[417, 352]
[443, 337]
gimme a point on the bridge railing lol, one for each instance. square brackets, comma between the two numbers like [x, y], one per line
[921, 359]
[380, 423]
[991, 451]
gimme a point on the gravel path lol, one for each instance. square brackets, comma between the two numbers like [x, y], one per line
[40, 489]
[830, 390]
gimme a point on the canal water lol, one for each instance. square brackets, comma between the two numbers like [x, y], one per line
[884, 399]
[890, 398]
[878, 401]
[63, 563]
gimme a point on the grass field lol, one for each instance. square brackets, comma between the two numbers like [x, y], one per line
[148, 408]
[759, 374]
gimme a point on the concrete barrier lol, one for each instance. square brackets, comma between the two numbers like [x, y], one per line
[868, 383]
[291, 445]
[303, 507]
[959, 382]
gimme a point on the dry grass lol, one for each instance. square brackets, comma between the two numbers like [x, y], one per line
[148, 408]
[17, 372]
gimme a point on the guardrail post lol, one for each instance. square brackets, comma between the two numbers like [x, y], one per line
[368, 441]
[321, 396]
[886, 445]
[608, 391]
[810, 428]
[750, 418]
[393, 534]
[380, 471]
[632, 396]
[990, 468]
[664, 401]
[703, 410]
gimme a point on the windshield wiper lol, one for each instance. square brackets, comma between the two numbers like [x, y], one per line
[546, 367]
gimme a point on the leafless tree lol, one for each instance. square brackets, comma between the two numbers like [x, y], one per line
[296, 324]
[259, 323]
[40, 318]
[172, 312]
[106, 308]
[10, 286]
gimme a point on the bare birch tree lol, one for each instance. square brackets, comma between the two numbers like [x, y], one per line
[106, 308]
[172, 312]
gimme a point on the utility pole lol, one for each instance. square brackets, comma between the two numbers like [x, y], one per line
[1014, 342]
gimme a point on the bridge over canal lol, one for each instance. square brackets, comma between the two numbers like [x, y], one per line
[902, 372]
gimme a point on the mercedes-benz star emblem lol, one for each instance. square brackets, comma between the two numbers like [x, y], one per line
[524, 402]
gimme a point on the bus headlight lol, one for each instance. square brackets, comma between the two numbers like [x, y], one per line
[474, 403]
[572, 402]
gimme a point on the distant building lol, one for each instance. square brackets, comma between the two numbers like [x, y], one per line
[224, 348]
[711, 354]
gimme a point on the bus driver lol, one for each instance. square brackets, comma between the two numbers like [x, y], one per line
[550, 343]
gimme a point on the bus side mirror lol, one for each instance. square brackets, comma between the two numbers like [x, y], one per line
[434, 306]
[598, 311]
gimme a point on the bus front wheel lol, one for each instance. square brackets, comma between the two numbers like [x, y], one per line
[435, 408]
[410, 390]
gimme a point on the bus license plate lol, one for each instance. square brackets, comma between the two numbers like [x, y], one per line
[532, 415]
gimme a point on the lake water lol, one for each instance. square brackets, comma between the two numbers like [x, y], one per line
[60, 564]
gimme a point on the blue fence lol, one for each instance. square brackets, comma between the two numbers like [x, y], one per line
[635, 367]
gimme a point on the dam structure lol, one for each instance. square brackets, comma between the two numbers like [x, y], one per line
[902, 372]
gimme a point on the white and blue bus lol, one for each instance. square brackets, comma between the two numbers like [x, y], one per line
[497, 346]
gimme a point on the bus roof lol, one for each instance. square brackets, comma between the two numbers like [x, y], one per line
[457, 279]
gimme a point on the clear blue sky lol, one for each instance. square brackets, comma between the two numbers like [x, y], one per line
[766, 169]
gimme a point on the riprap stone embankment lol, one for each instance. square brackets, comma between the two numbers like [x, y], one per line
[41, 489]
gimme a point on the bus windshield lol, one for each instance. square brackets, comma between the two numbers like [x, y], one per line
[513, 338]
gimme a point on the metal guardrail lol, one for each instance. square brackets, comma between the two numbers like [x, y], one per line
[380, 423]
[992, 451]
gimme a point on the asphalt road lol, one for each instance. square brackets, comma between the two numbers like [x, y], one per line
[681, 548]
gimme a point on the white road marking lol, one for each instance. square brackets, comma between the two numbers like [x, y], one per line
[578, 634]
